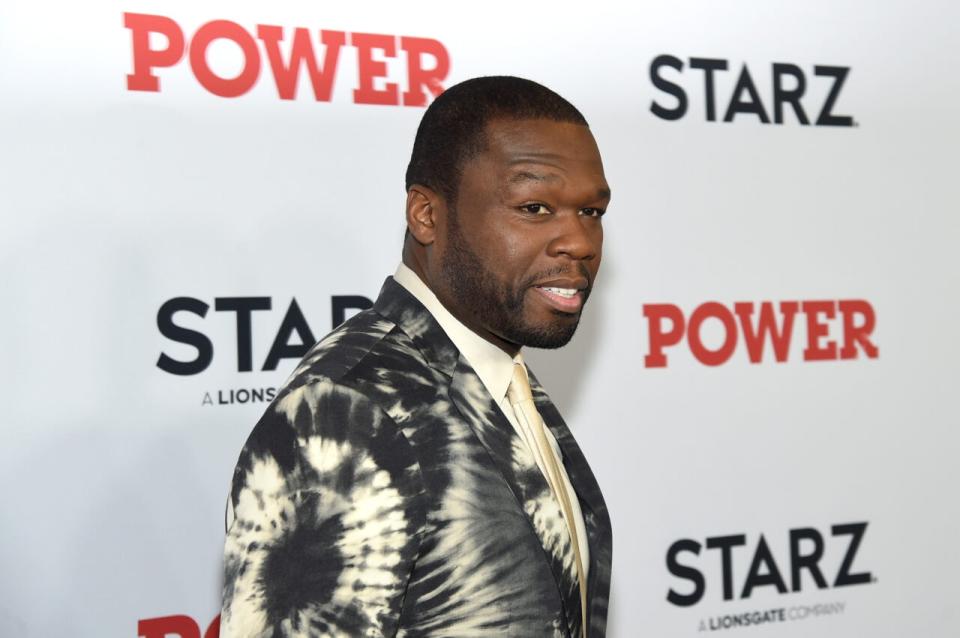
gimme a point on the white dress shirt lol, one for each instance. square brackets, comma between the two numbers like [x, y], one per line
[495, 369]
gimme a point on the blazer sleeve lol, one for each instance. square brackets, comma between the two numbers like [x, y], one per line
[328, 510]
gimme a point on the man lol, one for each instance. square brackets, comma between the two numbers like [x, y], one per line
[405, 481]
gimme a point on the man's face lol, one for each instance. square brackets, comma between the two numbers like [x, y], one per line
[523, 245]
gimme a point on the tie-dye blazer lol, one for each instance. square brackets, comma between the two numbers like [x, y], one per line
[384, 493]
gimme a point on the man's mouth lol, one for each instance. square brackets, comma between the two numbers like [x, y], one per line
[564, 299]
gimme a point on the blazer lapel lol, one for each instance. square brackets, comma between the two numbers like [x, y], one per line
[510, 455]
[595, 516]
[506, 450]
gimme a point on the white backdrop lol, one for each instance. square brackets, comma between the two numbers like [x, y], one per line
[115, 201]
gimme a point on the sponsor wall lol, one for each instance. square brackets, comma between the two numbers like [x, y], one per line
[764, 381]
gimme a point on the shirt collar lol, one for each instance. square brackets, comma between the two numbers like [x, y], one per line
[492, 365]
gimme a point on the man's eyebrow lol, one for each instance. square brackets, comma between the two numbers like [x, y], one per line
[527, 176]
[518, 177]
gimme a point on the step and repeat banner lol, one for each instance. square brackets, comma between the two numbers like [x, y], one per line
[765, 381]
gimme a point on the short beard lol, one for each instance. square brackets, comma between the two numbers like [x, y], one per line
[497, 307]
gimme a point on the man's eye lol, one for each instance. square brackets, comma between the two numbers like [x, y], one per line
[592, 212]
[535, 209]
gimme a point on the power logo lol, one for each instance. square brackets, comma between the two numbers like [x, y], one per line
[427, 60]
[667, 326]
[176, 626]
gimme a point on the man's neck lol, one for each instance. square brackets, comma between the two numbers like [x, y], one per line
[416, 263]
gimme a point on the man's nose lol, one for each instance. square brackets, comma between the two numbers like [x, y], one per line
[576, 236]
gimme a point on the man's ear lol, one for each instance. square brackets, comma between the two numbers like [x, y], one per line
[425, 209]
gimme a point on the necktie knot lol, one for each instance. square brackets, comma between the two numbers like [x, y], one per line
[519, 389]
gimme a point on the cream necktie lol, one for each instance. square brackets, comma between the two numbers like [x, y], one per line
[521, 398]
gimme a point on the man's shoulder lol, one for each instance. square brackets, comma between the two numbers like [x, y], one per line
[363, 350]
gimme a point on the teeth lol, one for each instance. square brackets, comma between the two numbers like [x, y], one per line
[563, 292]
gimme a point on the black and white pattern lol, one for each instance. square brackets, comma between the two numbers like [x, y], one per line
[383, 493]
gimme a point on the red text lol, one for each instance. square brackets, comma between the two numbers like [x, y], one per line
[769, 323]
[181, 626]
[311, 54]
